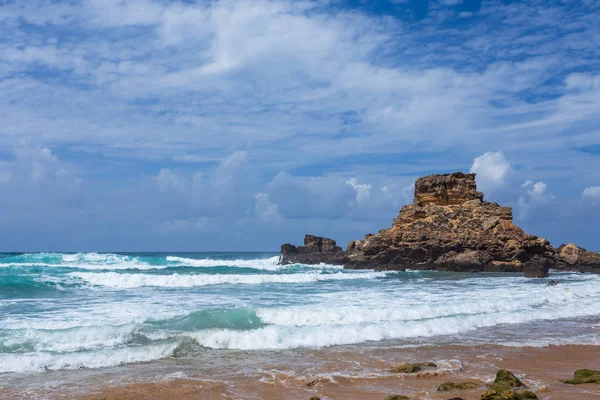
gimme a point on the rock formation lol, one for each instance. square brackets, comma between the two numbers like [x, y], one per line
[448, 227]
[315, 250]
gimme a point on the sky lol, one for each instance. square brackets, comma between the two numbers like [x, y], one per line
[155, 125]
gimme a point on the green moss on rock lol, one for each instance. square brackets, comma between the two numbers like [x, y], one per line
[411, 368]
[444, 387]
[585, 373]
[507, 378]
[527, 395]
[493, 394]
[584, 376]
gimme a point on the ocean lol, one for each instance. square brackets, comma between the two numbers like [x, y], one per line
[92, 311]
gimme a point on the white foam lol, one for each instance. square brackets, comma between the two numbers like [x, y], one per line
[286, 337]
[123, 281]
[427, 306]
[269, 264]
[91, 261]
[73, 339]
[96, 359]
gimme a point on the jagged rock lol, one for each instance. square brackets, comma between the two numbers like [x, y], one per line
[316, 250]
[571, 255]
[448, 227]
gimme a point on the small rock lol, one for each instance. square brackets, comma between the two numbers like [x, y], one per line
[584, 376]
[493, 394]
[552, 283]
[444, 387]
[507, 378]
[396, 397]
[315, 398]
[315, 382]
[411, 368]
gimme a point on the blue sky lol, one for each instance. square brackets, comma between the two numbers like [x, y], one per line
[240, 125]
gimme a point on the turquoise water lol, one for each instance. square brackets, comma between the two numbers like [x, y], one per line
[63, 311]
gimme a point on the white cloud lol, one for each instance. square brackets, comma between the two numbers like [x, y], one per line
[450, 2]
[265, 209]
[591, 192]
[363, 191]
[492, 169]
[140, 85]
[536, 195]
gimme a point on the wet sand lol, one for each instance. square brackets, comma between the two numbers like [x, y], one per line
[338, 373]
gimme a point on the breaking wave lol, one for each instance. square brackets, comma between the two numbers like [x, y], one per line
[127, 281]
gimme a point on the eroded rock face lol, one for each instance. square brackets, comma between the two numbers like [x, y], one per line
[449, 227]
[446, 189]
[570, 255]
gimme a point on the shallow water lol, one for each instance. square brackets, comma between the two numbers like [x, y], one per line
[62, 312]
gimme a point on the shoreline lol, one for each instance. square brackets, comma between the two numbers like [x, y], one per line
[337, 373]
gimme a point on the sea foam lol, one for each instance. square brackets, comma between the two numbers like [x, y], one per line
[124, 281]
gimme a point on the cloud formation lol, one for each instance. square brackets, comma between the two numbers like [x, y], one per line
[172, 123]
[492, 169]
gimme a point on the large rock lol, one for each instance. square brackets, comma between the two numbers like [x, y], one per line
[536, 270]
[316, 250]
[571, 257]
[449, 227]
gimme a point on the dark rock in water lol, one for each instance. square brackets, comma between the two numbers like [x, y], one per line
[507, 378]
[448, 227]
[411, 368]
[536, 270]
[288, 249]
[397, 397]
[552, 283]
[316, 250]
[456, 398]
[504, 393]
[582, 376]
[444, 387]
[315, 398]
[502, 388]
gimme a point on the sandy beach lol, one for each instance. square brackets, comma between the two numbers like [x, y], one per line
[331, 373]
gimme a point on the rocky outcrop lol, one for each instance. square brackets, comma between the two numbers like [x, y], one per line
[316, 250]
[571, 256]
[448, 227]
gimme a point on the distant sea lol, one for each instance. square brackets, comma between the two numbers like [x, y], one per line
[63, 311]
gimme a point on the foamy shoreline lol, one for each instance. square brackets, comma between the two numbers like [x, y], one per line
[333, 373]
